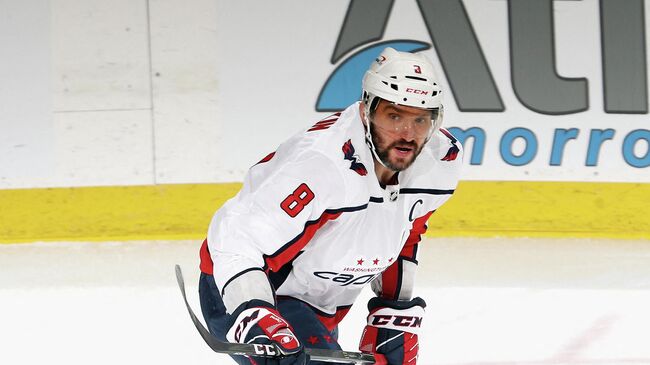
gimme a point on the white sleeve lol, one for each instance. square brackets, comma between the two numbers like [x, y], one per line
[268, 223]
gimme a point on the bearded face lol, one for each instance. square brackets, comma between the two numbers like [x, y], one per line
[399, 133]
[403, 152]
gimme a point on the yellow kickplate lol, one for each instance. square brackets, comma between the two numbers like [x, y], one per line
[509, 209]
[110, 213]
[545, 209]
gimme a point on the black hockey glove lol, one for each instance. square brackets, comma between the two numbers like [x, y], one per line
[392, 330]
[258, 322]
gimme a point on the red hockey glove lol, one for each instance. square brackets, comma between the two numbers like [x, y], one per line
[258, 322]
[392, 331]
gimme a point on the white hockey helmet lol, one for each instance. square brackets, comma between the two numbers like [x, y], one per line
[403, 78]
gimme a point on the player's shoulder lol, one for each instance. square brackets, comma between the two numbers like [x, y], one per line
[440, 163]
[332, 138]
[445, 138]
[444, 147]
[327, 133]
[321, 148]
[339, 142]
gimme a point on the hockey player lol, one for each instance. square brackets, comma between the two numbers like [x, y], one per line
[338, 206]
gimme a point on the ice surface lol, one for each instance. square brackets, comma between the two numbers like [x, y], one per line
[490, 302]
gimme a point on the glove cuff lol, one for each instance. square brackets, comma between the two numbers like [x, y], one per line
[378, 302]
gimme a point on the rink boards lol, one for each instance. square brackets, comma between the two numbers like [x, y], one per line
[478, 208]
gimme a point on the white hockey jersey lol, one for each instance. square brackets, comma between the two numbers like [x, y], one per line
[313, 216]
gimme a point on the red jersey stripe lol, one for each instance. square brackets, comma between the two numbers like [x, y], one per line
[206, 261]
[391, 278]
[331, 322]
[391, 281]
[287, 253]
[418, 229]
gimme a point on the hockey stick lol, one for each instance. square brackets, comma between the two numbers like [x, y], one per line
[261, 350]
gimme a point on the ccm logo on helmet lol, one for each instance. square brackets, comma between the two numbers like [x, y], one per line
[398, 321]
[345, 279]
[416, 91]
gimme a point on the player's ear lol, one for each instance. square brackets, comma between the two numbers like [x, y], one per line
[362, 112]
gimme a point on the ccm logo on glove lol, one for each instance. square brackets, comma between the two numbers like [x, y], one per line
[261, 349]
[398, 321]
[407, 320]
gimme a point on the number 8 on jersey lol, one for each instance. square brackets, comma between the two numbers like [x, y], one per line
[296, 201]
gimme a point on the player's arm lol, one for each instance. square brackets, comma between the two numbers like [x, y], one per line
[398, 280]
[269, 223]
[396, 341]
[260, 231]
[395, 318]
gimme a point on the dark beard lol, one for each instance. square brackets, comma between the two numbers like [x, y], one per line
[383, 153]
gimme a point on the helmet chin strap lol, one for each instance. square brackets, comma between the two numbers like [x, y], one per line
[372, 147]
[369, 142]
